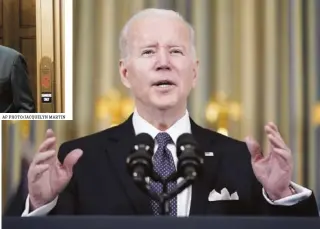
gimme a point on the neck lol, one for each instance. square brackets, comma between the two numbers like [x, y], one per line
[161, 119]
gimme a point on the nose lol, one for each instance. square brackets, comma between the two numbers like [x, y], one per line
[163, 59]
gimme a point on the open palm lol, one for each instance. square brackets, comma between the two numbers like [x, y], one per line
[273, 170]
[47, 176]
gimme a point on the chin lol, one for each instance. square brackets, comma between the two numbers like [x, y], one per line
[164, 102]
[161, 105]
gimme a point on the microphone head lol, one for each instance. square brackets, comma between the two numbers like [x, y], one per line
[139, 161]
[144, 139]
[189, 157]
[185, 139]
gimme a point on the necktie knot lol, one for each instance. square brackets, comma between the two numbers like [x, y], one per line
[163, 139]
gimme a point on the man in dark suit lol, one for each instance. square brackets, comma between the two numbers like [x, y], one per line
[158, 64]
[15, 92]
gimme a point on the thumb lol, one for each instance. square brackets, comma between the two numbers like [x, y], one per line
[71, 159]
[254, 148]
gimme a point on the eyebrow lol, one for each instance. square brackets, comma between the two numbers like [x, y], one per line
[169, 46]
[148, 46]
[177, 46]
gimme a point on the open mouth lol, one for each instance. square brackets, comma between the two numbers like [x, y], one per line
[164, 83]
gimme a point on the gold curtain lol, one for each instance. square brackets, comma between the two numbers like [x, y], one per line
[258, 63]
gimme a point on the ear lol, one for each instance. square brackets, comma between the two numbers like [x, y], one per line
[124, 73]
[195, 73]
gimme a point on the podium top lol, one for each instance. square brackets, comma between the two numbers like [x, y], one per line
[161, 222]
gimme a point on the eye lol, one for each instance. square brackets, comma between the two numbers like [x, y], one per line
[147, 52]
[176, 51]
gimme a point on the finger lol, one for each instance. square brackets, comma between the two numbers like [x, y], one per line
[276, 142]
[269, 130]
[43, 157]
[71, 159]
[49, 133]
[47, 144]
[37, 171]
[285, 154]
[273, 126]
[277, 135]
[254, 148]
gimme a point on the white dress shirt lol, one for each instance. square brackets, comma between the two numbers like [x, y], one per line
[183, 125]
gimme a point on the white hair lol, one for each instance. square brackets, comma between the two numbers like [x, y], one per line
[123, 41]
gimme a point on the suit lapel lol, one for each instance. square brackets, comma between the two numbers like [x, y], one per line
[118, 148]
[201, 187]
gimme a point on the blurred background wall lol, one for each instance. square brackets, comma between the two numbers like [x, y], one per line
[259, 62]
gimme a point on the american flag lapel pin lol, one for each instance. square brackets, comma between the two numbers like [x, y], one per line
[209, 154]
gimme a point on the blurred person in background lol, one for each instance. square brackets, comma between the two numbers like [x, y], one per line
[87, 176]
[15, 91]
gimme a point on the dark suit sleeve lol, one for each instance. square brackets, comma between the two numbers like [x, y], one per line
[307, 207]
[22, 96]
[66, 204]
[66, 201]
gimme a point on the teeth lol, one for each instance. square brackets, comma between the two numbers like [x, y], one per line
[164, 85]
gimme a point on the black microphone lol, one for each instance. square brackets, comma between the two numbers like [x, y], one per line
[189, 157]
[139, 162]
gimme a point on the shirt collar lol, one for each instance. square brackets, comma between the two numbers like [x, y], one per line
[180, 127]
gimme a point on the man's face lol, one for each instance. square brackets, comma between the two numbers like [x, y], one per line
[160, 69]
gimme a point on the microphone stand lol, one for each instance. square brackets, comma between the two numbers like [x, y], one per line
[164, 198]
[164, 201]
[167, 196]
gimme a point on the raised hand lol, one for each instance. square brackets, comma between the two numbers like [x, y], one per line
[273, 170]
[47, 177]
